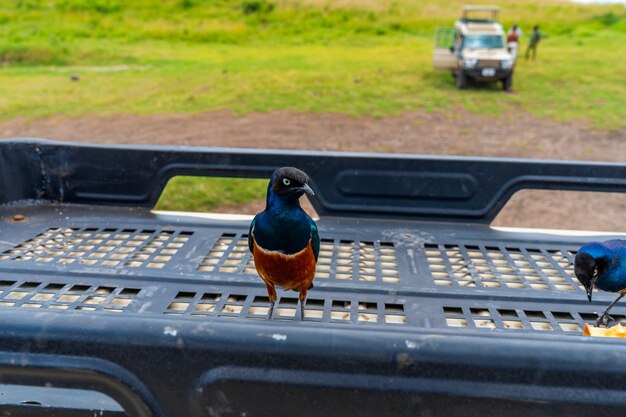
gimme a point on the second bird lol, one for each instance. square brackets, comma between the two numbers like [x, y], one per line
[603, 265]
[283, 239]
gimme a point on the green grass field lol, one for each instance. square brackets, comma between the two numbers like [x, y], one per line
[360, 57]
[207, 194]
[364, 58]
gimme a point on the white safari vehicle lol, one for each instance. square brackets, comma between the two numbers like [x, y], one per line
[475, 49]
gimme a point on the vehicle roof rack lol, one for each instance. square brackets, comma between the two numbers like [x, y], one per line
[419, 306]
[493, 11]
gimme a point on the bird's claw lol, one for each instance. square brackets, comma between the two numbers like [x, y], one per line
[604, 319]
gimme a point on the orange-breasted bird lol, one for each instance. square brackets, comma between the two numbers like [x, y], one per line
[283, 239]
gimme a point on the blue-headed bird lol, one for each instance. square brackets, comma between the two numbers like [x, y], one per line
[283, 239]
[602, 265]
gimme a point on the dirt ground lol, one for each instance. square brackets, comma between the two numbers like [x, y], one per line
[519, 135]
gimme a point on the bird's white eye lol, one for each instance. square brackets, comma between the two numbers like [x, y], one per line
[286, 181]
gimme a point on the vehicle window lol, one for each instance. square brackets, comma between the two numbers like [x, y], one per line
[444, 38]
[483, 41]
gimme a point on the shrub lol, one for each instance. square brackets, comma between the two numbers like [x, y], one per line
[256, 6]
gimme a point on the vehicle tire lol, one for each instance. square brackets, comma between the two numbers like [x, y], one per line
[507, 83]
[461, 80]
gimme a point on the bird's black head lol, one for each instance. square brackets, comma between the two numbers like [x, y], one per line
[586, 270]
[290, 183]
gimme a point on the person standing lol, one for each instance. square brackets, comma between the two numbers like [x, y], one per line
[512, 40]
[535, 37]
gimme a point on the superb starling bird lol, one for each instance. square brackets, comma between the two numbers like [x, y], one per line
[602, 265]
[283, 239]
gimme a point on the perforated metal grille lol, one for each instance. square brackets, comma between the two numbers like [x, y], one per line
[66, 296]
[358, 261]
[563, 320]
[496, 267]
[238, 305]
[229, 254]
[502, 267]
[109, 247]
[352, 260]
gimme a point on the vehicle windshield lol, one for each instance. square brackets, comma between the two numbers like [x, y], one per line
[483, 42]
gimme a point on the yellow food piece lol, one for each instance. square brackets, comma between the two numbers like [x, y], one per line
[616, 331]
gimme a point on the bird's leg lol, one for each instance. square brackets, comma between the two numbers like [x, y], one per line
[605, 318]
[271, 313]
[271, 293]
[302, 300]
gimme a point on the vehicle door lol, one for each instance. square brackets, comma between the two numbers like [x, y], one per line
[445, 54]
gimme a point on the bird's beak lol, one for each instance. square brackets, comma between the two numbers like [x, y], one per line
[306, 189]
[590, 287]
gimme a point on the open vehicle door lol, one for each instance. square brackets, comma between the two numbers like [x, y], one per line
[444, 55]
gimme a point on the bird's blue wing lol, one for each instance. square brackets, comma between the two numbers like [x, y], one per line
[315, 238]
[250, 238]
